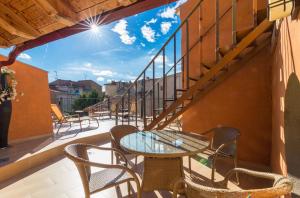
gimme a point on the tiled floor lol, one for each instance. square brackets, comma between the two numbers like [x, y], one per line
[59, 178]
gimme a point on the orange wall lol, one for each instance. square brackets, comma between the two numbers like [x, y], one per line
[286, 97]
[243, 100]
[31, 114]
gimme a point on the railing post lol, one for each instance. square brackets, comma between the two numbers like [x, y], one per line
[187, 55]
[217, 30]
[117, 115]
[128, 107]
[108, 107]
[164, 80]
[158, 103]
[175, 85]
[153, 91]
[122, 109]
[144, 99]
[136, 102]
[234, 12]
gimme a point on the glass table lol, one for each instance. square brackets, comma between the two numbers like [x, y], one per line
[163, 152]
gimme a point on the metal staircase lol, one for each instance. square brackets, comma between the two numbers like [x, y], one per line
[167, 86]
[172, 82]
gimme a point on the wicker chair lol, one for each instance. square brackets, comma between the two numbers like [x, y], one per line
[116, 133]
[281, 186]
[112, 175]
[223, 145]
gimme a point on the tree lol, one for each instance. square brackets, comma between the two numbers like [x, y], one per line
[87, 100]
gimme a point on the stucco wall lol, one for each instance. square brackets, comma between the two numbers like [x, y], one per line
[286, 100]
[31, 114]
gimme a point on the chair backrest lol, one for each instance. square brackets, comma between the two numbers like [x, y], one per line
[78, 154]
[117, 132]
[281, 186]
[223, 135]
[57, 113]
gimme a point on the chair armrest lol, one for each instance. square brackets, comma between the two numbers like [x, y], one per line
[222, 146]
[264, 175]
[110, 149]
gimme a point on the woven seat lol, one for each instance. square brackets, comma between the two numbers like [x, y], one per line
[112, 175]
[107, 178]
[280, 186]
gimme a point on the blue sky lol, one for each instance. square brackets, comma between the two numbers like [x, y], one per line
[117, 51]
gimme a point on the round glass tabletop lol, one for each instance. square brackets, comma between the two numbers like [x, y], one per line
[164, 143]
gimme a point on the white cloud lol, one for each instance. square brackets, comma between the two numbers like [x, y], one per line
[148, 33]
[143, 45]
[153, 20]
[121, 29]
[105, 73]
[170, 12]
[165, 27]
[24, 56]
[151, 51]
[100, 79]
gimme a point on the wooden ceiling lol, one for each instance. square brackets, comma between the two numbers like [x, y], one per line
[24, 20]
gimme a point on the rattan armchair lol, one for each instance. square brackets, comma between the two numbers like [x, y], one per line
[223, 144]
[116, 133]
[281, 186]
[112, 175]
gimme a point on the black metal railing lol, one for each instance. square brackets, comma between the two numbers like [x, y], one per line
[168, 74]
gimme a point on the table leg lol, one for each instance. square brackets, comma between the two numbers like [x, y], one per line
[161, 173]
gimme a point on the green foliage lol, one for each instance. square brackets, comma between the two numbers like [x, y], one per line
[87, 100]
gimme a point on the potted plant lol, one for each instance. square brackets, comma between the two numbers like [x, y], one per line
[8, 93]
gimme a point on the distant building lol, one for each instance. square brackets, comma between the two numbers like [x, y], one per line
[76, 87]
[65, 92]
[116, 88]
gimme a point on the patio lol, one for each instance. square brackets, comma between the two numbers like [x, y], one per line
[221, 85]
[58, 176]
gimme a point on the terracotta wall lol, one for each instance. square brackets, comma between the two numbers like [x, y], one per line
[286, 98]
[31, 114]
[243, 100]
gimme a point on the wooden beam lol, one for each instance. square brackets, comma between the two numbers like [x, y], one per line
[60, 9]
[126, 2]
[15, 25]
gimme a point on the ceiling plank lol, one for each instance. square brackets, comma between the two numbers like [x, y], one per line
[60, 9]
[4, 43]
[15, 25]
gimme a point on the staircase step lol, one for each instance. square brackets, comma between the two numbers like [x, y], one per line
[169, 100]
[193, 79]
[246, 51]
[224, 50]
[241, 34]
[263, 37]
[181, 90]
